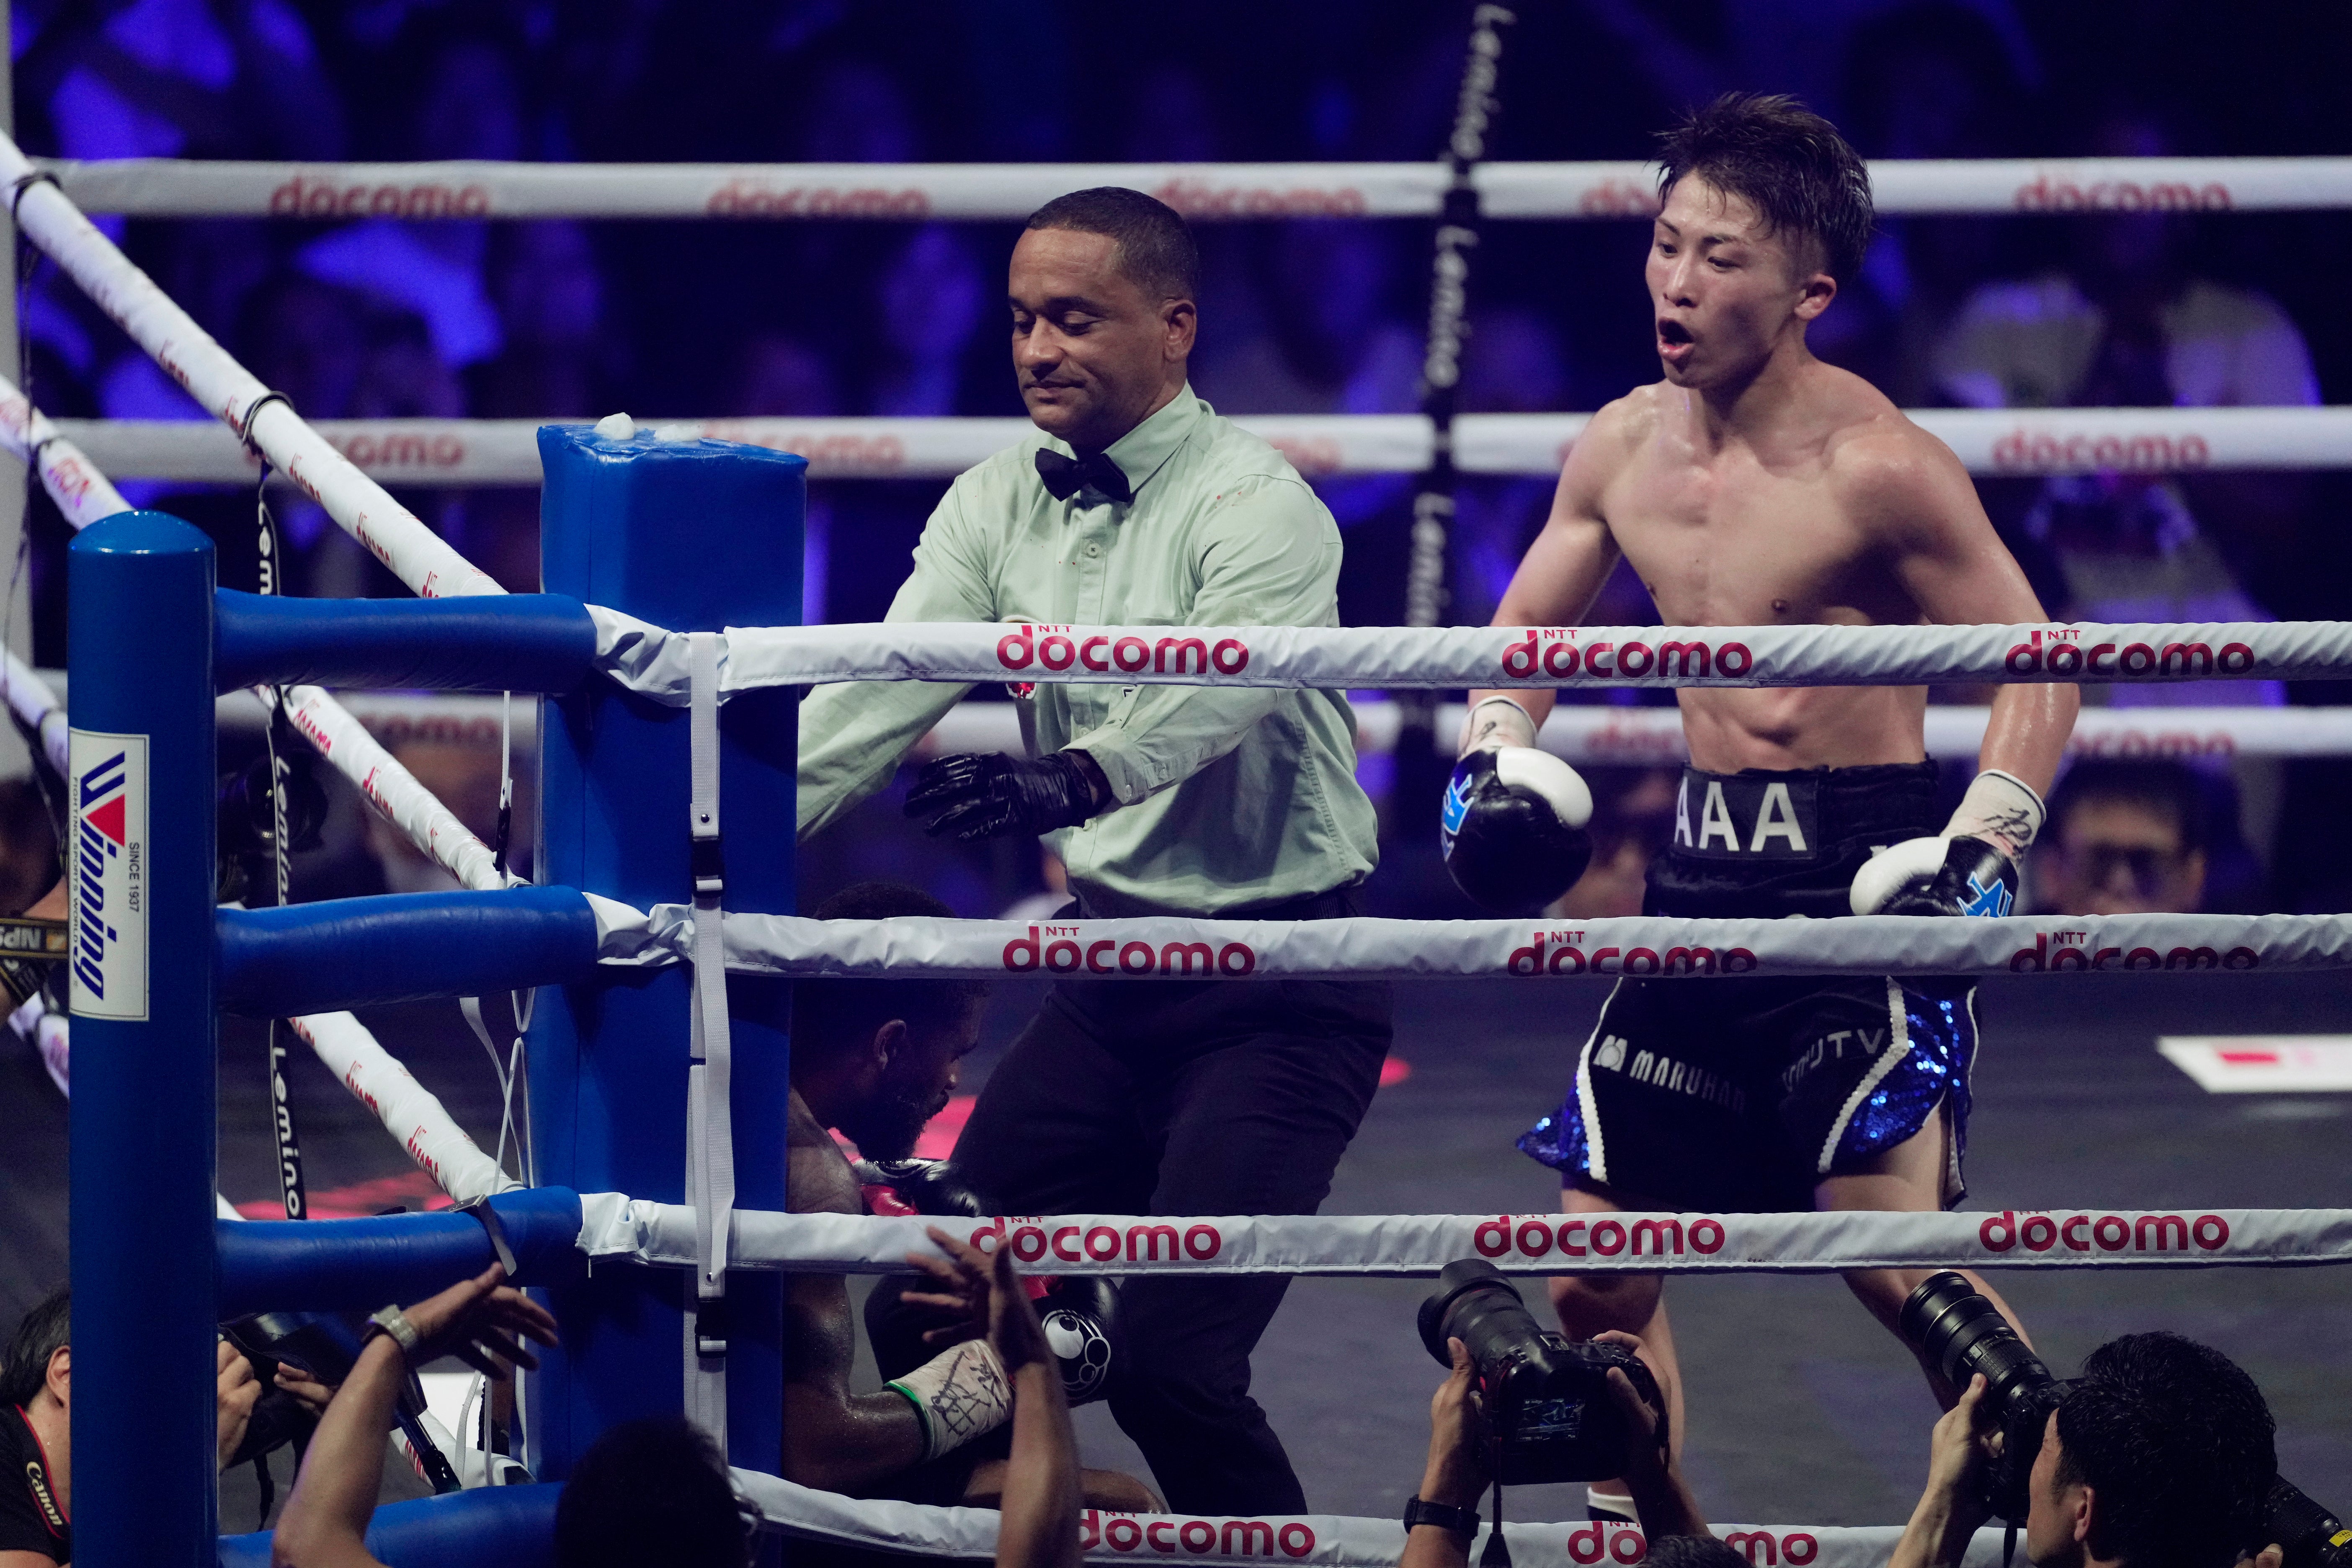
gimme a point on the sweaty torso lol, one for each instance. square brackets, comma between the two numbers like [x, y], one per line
[1764, 532]
[818, 1179]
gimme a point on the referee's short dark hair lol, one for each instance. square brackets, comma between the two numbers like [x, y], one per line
[1787, 162]
[1155, 244]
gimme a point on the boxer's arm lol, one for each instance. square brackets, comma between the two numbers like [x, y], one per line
[1564, 569]
[833, 1439]
[853, 733]
[1917, 498]
[1270, 558]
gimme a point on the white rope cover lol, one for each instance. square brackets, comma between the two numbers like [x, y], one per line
[1639, 945]
[409, 1112]
[662, 1235]
[1595, 734]
[1993, 442]
[85, 495]
[392, 789]
[163, 187]
[230, 393]
[652, 661]
[1313, 1540]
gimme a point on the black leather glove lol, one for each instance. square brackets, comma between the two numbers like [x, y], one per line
[925, 1186]
[989, 796]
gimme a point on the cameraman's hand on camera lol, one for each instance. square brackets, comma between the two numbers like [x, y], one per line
[235, 1391]
[304, 1385]
[1661, 1498]
[1457, 1470]
[1952, 1508]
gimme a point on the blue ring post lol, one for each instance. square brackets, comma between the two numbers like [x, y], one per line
[139, 644]
[692, 536]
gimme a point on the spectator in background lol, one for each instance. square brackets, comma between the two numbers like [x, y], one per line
[2123, 838]
[2128, 323]
[778, 377]
[929, 301]
[556, 360]
[1511, 365]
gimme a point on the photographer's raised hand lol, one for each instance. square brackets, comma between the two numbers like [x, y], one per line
[1952, 1508]
[235, 1391]
[1457, 1470]
[1662, 1499]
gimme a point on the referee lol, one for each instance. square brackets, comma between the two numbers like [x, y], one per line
[1136, 505]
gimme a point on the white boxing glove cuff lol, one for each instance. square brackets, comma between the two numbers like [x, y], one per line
[2003, 810]
[1496, 723]
[957, 1394]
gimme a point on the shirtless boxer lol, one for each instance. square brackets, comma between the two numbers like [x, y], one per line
[1755, 485]
[878, 1059]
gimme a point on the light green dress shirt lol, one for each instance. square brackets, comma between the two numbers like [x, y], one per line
[1229, 797]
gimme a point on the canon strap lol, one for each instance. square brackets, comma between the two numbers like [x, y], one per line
[710, 1133]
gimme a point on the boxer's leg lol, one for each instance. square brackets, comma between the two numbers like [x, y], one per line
[1255, 1125]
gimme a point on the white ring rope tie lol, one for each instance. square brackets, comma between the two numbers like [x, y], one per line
[920, 948]
[654, 662]
[167, 187]
[1994, 442]
[662, 1235]
[1311, 1541]
[230, 393]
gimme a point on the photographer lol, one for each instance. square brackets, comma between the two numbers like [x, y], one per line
[37, 1424]
[1458, 1471]
[2160, 1456]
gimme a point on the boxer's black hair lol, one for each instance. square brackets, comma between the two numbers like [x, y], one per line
[2178, 1446]
[1785, 160]
[2160, 784]
[830, 1015]
[1155, 244]
[654, 1489]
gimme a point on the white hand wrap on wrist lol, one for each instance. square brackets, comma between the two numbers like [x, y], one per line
[2001, 809]
[957, 1394]
[1494, 722]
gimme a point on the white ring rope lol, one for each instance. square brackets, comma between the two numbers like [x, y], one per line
[410, 1112]
[231, 393]
[1311, 1541]
[652, 661]
[1607, 734]
[167, 187]
[1535, 948]
[1994, 442]
[85, 495]
[662, 1235]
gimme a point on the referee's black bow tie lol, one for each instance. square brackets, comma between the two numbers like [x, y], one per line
[1066, 477]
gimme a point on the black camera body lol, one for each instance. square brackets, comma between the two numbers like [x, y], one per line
[1959, 1333]
[1546, 1401]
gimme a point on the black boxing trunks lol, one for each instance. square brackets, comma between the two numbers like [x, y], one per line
[1741, 1094]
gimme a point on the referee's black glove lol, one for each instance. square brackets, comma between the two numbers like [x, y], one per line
[989, 796]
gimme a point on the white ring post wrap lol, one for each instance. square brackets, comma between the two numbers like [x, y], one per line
[1534, 950]
[1312, 1540]
[710, 1132]
[652, 661]
[73, 481]
[612, 1226]
[33, 702]
[230, 393]
[409, 1112]
[1205, 192]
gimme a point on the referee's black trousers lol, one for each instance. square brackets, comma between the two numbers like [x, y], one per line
[1186, 1098]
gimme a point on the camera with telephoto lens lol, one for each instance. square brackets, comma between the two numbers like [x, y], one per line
[1960, 1333]
[1546, 1401]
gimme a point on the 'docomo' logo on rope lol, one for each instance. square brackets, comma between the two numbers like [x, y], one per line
[1568, 955]
[2064, 655]
[1535, 1235]
[1035, 1240]
[2055, 952]
[1067, 949]
[1554, 651]
[1058, 649]
[1194, 1537]
[2007, 1230]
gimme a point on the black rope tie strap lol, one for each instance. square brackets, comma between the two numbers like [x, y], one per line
[22, 182]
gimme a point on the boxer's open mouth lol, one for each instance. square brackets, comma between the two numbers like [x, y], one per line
[1675, 341]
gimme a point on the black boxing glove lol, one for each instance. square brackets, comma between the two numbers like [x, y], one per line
[989, 796]
[1512, 828]
[916, 1186]
[1970, 869]
[1080, 1317]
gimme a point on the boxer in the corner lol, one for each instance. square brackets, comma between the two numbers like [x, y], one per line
[1755, 485]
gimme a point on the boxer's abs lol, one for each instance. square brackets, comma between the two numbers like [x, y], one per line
[1733, 727]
